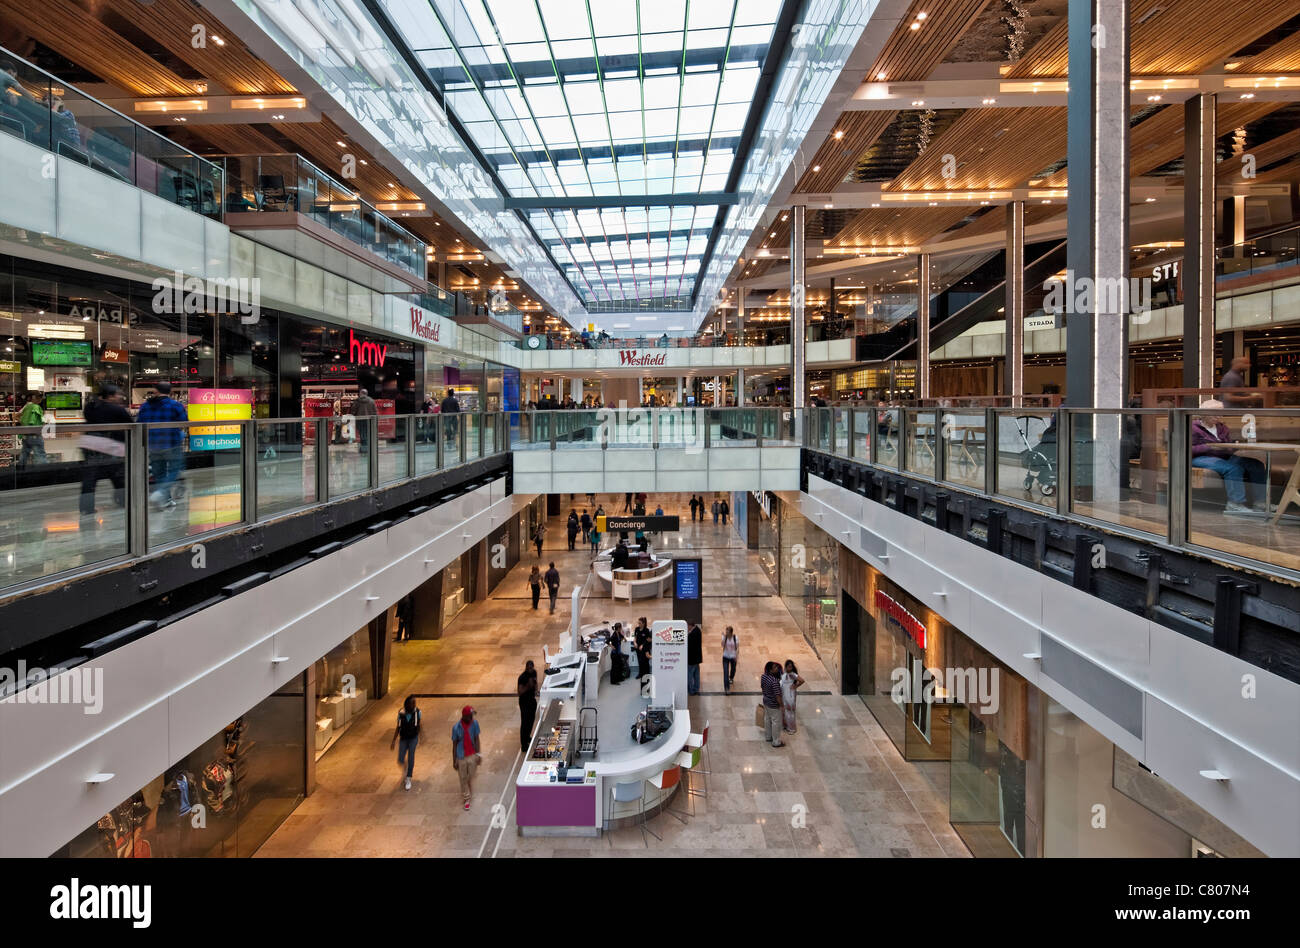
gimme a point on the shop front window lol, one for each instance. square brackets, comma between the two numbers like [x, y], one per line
[453, 590]
[344, 687]
[224, 799]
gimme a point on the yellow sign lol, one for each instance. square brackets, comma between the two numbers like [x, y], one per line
[600, 524]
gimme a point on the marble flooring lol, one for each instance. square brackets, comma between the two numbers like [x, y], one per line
[838, 787]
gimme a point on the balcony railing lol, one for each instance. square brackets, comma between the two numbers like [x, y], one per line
[88, 495]
[1155, 473]
[42, 109]
[290, 183]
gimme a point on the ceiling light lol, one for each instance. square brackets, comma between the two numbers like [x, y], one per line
[1248, 95]
[921, 15]
[880, 75]
[218, 40]
[341, 144]
[918, 102]
[839, 133]
[916, 24]
[816, 168]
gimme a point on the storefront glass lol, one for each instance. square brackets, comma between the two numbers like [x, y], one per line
[344, 687]
[453, 590]
[810, 584]
[222, 800]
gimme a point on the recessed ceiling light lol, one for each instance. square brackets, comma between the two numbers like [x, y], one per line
[839, 133]
[341, 145]
[816, 168]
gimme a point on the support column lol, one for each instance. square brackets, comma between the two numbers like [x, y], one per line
[740, 388]
[1198, 240]
[921, 388]
[740, 314]
[1013, 375]
[1098, 215]
[575, 389]
[798, 320]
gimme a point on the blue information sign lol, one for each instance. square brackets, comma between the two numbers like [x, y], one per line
[688, 579]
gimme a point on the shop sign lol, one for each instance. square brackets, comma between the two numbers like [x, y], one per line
[364, 352]
[217, 404]
[913, 626]
[422, 327]
[634, 357]
[113, 354]
[11, 367]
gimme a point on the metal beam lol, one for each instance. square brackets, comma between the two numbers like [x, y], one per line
[1053, 91]
[1198, 241]
[699, 199]
[921, 388]
[798, 324]
[1013, 372]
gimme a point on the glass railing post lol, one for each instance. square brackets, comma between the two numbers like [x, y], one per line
[1064, 460]
[408, 424]
[439, 440]
[481, 419]
[461, 439]
[904, 438]
[990, 451]
[137, 490]
[552, 427]
[1179, 460]
[322, 426]
[941, 434]
[248, 470]
[372, 450]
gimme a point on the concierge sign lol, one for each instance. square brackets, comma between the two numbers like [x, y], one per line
[688, 604]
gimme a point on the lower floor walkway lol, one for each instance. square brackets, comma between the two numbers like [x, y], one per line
[838, 788]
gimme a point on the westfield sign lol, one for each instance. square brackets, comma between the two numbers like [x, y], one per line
[630, 357]
[424, 328]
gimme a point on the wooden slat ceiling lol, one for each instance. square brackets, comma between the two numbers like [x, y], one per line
[75, 34]
[993, 148]
[1282, 56]
[1188, 37]
[908, 56]
[79, 32]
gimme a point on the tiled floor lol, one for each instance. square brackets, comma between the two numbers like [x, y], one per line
[839, 788]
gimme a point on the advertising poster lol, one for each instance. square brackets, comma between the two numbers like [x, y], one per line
[217, 404]
[668, 662]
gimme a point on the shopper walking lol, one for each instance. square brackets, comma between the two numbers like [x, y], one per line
[403, 619]
[466, 751]
[166, 456]
[717, 509]
[572, 527]
[104, 452]
[790, 682]
[535, 582]
[694, 506]
[585, 522]
[527, 688]
[730, 655]
[552, 585]
[627, 503]
[771, 685]
[694, 658]
[33, 416]
[725, 509]
[539, 537]
[408, 732]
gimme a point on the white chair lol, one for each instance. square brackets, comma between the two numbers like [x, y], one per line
[633, 791]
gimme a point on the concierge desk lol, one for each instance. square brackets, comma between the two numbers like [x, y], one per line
[652, 578]
[578, 803]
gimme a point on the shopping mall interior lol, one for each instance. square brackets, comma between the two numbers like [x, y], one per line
[782, 428]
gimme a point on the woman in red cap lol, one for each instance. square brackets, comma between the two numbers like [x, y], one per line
[466, 751]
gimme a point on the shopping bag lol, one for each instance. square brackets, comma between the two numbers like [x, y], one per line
[760, 716]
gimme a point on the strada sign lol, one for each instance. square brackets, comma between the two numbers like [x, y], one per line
[422, 327]
[632, 357]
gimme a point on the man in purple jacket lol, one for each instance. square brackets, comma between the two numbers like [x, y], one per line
[1209, 450]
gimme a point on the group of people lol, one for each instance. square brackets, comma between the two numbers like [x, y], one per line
[466, 744]
[720, 508]
[551, 578]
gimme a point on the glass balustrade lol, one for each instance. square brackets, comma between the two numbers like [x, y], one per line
[39, 108]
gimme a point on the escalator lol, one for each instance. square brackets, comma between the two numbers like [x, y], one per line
[951, 314]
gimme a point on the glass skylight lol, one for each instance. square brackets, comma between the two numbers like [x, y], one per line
[603, 98]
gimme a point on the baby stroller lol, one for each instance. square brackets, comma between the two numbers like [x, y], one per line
[1039, 460]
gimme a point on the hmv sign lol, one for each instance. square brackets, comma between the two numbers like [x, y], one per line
[365, 352]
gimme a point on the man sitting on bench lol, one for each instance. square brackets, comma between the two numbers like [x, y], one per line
[1209, 450]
